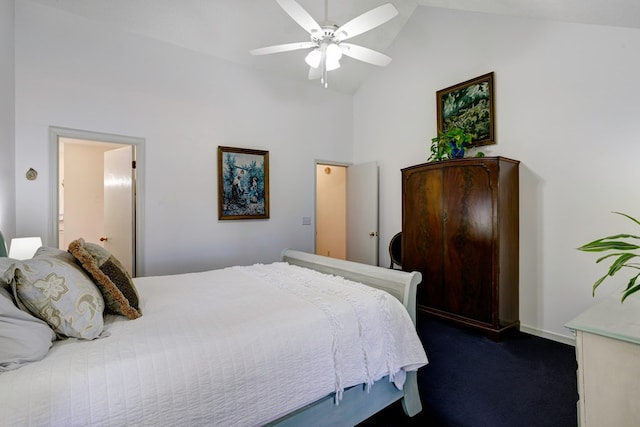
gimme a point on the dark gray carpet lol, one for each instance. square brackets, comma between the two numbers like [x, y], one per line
[471, 381]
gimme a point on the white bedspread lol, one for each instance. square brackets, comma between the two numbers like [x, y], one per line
[238, 346]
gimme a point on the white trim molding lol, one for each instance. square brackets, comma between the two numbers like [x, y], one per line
[564, 339]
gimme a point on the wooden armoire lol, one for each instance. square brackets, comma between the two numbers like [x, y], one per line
[460, 230]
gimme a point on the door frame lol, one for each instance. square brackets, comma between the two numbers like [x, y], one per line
[55, 133]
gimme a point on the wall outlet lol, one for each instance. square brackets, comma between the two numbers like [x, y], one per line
[306, 220]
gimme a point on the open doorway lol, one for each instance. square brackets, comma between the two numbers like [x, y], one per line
[347, 211]
[331, 210]
[97, 193]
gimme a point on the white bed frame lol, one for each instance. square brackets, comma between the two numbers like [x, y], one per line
[357, 404]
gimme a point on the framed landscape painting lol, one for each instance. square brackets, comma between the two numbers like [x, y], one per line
[469, 106]
[243, 183]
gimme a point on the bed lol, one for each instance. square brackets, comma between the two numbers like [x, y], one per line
[309, 340]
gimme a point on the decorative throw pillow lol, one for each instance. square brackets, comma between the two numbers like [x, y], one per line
[110, 276]
[56, 253]
[23, 337]
[57, 291]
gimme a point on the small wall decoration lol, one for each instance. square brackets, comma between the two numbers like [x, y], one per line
[469, 106]
[31, 174]
[243, 183]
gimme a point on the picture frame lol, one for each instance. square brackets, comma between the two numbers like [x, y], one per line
[243, 183]
[469, 105]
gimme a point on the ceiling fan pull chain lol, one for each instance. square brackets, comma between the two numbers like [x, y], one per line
[323, 64]
[323, 79]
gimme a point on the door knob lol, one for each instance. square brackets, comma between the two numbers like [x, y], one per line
[104, 239]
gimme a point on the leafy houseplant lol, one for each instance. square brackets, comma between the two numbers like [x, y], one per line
[450, 144]
[622, 248]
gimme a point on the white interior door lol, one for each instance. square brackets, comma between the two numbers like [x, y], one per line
[119, 206]
[362, 213]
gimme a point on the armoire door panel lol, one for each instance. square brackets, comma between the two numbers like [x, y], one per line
[468, 241]
[424, 237]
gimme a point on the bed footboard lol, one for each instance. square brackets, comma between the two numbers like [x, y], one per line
[400, 284]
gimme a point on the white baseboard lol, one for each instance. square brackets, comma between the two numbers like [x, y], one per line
[564, 339]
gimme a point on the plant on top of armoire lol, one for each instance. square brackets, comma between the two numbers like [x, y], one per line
[622, 248]
[451, 144]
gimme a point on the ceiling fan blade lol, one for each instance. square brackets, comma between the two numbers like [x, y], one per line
[300, 15]
[282, 48]
[366, 21]
[364, 54]
[315, 73]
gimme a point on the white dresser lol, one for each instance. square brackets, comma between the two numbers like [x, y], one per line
[608, 353]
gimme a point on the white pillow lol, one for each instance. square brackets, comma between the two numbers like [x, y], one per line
[23, 338]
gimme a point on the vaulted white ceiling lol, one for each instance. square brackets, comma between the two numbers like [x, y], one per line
[228, 29]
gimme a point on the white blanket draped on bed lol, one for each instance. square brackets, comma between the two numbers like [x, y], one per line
[238, 346]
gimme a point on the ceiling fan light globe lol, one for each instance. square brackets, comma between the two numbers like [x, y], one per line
[334, 53]
[332, 64]
[313, 58]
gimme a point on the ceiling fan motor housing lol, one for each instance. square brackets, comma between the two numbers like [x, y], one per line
[327, 34]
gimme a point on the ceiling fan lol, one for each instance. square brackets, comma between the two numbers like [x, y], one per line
[327, 40]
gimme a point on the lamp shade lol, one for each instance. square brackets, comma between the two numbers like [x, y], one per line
[24, 247]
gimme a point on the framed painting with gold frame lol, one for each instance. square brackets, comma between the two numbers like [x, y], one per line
[243, 183]
[469, 106]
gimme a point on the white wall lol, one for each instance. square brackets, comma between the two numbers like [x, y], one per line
[7, 116]
[566, 98]
[80, 74]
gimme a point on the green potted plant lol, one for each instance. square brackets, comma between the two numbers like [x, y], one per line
[450, 144]
[622, 253]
